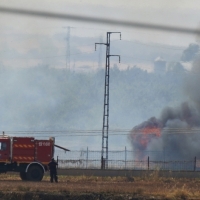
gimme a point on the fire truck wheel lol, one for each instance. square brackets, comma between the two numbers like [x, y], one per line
[23, 176]
[35, 173]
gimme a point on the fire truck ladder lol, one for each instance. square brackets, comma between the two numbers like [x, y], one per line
[104, 151]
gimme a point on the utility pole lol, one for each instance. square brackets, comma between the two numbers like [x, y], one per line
[68, 49]
[104, 151]
[68, 39]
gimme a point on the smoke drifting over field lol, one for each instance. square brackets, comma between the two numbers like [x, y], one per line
[175, 134]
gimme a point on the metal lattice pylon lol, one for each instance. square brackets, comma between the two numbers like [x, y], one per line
[104, 151]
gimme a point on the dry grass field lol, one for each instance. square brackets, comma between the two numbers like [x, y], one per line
[82, 187]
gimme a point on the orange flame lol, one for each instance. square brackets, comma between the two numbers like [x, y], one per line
[154, 131]
[145, 135]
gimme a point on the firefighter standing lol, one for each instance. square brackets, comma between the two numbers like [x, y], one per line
[53, 170]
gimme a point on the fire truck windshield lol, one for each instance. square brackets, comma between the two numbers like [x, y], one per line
[3, 146]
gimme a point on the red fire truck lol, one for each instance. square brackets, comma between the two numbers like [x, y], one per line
[26, 155]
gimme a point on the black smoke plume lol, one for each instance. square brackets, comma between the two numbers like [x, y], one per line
[179, 127]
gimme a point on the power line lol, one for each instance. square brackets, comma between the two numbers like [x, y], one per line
[63, 55]
[112, 132]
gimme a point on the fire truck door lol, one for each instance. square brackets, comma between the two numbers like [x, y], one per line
[44, 150]
[4, 150]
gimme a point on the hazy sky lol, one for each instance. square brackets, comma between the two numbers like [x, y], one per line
[22, 35]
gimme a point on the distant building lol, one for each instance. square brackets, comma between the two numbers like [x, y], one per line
[159, 65]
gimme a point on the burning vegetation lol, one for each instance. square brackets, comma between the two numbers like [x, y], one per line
[142, 135]
[175, 135]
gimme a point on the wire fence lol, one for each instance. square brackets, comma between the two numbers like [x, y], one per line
[123, 160]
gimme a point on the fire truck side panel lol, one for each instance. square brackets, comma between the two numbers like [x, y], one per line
[23, 150]
[44, 150]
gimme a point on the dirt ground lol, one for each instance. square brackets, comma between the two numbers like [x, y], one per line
[82, 187]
